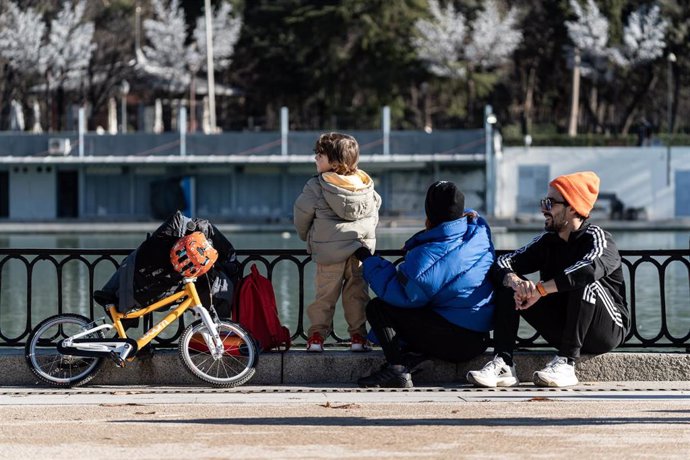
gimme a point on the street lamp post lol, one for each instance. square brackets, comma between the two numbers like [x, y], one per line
[209, 66]
[124, 89]
[489, 121]
[669, 113]
[669, 89]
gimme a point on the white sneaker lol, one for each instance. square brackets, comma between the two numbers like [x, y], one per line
[496, 373]
[558, 373]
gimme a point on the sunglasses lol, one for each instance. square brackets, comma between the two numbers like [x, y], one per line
[547, 203]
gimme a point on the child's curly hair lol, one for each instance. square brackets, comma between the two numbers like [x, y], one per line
[341, 150]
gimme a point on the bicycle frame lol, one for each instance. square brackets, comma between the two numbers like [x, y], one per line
[191, 300]
[67, 349]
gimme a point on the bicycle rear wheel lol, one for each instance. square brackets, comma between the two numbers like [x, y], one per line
[51, 366]
[237, 363]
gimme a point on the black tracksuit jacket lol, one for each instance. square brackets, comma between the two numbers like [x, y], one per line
[589, 255]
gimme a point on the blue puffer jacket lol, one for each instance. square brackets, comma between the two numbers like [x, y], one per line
[446, 268]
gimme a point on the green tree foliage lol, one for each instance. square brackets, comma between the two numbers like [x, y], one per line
[540, 68]
[335, 63]
[110, 63]
[678, 13]
[331, 63]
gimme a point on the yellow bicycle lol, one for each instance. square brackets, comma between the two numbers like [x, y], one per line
[68, 349]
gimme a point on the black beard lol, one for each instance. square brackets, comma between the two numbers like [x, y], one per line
[554, 226]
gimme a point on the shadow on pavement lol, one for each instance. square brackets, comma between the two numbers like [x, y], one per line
[394, 422]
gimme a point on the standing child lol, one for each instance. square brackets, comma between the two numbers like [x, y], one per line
[336, 213]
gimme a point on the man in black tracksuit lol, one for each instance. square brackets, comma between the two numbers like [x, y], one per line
[579, 306]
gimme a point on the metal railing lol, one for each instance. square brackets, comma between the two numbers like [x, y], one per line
[61, 146]
[17, 289]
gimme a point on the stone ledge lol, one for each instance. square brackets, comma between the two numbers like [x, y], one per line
[298, 367]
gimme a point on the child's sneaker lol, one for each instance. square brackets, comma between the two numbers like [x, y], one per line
[315, 343]
[359, 343]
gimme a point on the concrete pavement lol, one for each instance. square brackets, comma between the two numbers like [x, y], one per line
[303, 405]
[612, 419]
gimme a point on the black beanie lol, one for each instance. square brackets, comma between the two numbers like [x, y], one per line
[444, 202]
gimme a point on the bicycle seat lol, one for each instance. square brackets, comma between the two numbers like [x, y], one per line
[104, 298]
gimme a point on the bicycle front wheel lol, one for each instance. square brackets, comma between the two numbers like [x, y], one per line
[51, 366]
[233, 368]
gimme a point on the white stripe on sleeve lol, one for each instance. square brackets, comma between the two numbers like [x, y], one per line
[598, 246]
[506, 260]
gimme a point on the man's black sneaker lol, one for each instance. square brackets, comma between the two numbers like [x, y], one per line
[387, 377]
[415, 362]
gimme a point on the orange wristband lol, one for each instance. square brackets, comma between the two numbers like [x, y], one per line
[540, 288]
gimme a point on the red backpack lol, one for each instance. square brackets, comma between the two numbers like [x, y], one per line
[255, 309]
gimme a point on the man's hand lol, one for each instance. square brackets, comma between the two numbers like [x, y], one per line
[524, 289]
[522, 303]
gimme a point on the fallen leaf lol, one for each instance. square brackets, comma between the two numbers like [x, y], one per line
[119, 404]
[342, 406]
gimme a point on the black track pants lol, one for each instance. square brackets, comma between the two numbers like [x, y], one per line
[584, 320]
[424, 331]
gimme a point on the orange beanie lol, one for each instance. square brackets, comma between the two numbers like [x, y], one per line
[579, 189]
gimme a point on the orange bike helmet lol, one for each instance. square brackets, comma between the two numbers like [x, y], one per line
[193, 255]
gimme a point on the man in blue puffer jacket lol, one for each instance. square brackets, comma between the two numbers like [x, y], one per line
[439, 300]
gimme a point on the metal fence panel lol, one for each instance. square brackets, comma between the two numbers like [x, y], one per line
[40, 269]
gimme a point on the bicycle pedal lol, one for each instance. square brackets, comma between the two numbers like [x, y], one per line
[119, 362]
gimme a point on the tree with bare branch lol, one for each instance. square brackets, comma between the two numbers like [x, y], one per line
[454, 49]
